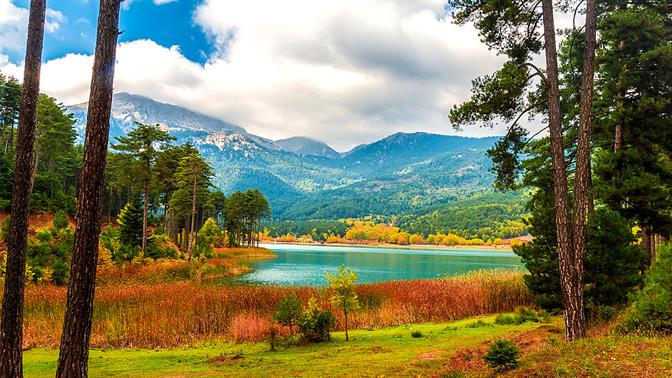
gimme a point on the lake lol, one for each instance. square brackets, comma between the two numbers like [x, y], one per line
[304, 265]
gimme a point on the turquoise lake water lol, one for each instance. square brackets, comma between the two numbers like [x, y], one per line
[304, 265]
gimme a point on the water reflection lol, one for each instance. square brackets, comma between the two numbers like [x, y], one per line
[306, 264]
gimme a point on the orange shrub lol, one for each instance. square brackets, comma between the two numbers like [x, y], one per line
[249, 327]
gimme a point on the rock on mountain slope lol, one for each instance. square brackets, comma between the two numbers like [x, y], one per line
[304, 178]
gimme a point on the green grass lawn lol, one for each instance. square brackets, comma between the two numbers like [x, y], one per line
[390, 352]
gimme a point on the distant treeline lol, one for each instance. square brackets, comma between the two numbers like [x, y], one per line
[486, 216]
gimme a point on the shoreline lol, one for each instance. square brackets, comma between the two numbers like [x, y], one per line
[412, 247]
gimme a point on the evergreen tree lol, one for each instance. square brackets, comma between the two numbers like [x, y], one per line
[141, 144]
[130, 224]
[510, 28]
[612, 259]
[634, 123]
[193, 180]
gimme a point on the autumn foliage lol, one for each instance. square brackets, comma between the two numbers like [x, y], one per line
[155, 315]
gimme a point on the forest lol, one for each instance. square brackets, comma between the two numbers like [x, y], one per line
[120, 256]
[160, 195]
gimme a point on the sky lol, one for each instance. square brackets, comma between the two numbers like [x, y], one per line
[343, 72]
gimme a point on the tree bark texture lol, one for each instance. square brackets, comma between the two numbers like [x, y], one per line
[145, 209]
[11, 332]
[575, 322]
[193, 220]
[560, 191]
[74, 349]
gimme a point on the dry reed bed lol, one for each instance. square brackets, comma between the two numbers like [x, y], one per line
[173, 314]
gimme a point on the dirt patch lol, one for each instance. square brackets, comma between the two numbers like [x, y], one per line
[433, 355]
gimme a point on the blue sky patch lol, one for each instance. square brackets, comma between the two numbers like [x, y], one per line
[167, 24]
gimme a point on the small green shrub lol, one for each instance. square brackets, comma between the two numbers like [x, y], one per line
[601, 314]
[651, 310]
[526, 314]
[478, 324]
[416, 334]
[60, 220]
[316, 323]
[44, 236]
[505, 319]
[502, 355]
[60, 273]
[523, 314]
[288, 310]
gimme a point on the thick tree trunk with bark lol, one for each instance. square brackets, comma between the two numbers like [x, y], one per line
[74, 351]
[193, 220]
[11, 332]
[568, 284]
[145, 210]
[576, 322]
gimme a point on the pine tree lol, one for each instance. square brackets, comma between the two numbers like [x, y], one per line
[510, 28]
[130, 224]
[193, 180]
[141, 144]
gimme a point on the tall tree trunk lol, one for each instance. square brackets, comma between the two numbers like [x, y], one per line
[36, 158]
[564, 237]
[647, 246]
[10, 142]
[193, 220]
[576, 321]
[145, 208]
[74, 351]
[11, 332]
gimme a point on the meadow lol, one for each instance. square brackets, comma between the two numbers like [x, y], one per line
[181, 313]
[451, 349]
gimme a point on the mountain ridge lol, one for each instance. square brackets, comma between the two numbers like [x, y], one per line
[306, 178]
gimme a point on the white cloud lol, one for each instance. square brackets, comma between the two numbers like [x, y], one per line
[54, 20]
[344, 72]
[13, 26]
[161, 2]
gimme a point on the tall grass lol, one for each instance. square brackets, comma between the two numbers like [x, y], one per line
[172, 314]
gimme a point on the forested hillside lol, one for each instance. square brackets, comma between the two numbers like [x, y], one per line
[306, 179]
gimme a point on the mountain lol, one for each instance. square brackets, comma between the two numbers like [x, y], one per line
[127, 108]
[306, 147]
[304, 178]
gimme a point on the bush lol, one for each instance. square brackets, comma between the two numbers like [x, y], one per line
[522, 314]
[416, 334]
[502, 355]
[288, 310]
[207, 236]
[478, 324]
[60, 273]
[60, 220]
[651, 310]
[315, 323]
[506, 319]
[612, 261]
